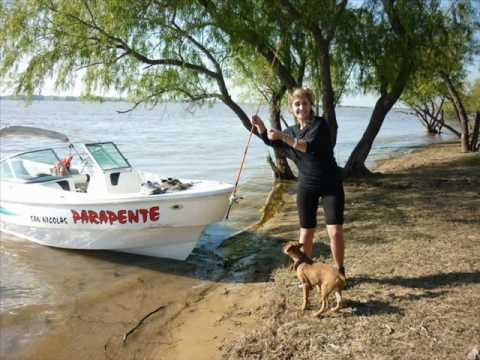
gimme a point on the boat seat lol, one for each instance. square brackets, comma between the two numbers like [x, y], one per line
[19, 169]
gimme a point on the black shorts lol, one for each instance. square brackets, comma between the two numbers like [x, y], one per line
[333, 201]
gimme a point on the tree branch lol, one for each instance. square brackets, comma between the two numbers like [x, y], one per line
[339, 93]
[394, 19]
[102, 62]
[202, 48]
[127, 334]
[340, 9]
[119, 43]
[219, 73]
[205, 96]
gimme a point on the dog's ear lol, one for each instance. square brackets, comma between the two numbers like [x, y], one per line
[288, 246]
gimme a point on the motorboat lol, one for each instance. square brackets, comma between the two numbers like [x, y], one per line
[89, 196]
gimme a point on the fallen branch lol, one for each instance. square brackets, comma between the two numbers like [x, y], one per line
[124, 339]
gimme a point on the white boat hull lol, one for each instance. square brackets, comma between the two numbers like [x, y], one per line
[174, 243]
[161, 226]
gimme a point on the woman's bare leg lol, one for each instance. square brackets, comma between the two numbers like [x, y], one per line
[337, 243]
[306, 238]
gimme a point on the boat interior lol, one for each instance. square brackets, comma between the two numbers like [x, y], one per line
[99, 168]
[96, 169]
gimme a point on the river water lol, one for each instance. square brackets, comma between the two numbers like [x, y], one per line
[173, 140]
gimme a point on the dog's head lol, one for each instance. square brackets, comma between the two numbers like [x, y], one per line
[292, 248]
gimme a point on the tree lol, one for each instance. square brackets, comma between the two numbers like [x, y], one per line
[427, 99]
[187, 50]
[384, 40]
[321, 20]
[469, 129]
[277, 33]
[263, 39]
[454, 48]
[395, 38]
[468, 100]
[442, 73]
[152, 51]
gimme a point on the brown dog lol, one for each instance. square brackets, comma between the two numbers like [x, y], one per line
[325, 277]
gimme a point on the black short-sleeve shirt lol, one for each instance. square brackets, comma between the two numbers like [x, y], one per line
[317, 166]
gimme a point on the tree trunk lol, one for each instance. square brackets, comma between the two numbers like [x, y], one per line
[281, 168]
[445, 125]
[356, 163]
[433, 125]
[328, 99]
[461, 113]
[227, 100]
[475, 133]
[323, 43]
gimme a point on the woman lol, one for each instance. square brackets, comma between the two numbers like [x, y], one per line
[308, 143]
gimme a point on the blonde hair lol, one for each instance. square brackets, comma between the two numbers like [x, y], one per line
[301, 93]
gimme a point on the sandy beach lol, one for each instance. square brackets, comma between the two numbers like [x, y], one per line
[414, 282]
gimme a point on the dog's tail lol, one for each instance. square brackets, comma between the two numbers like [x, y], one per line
[341, 275]
[341, 281]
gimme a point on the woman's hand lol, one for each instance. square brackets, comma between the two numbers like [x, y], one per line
[258, 123]
[274, 134]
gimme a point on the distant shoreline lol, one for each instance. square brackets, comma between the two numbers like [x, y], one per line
[114, 99]
[60, 98]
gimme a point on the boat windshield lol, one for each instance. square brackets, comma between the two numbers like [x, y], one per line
[107, 156]
[29, 165]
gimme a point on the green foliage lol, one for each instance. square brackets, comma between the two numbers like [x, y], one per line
[148, 50]
[184, 50]
[470, 97]
[421, 91]
[472, 102]
[262, 41]
[262, 29]
[451, 46]
[387, 38]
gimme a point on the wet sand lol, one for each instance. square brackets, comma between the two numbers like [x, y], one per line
[87, 320]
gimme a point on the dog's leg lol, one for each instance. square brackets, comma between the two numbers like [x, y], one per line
[323, 296]
[338, 297]
[306, 290]
[323, 307]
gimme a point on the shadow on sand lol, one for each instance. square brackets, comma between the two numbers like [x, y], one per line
[423, 282]
[244, 257]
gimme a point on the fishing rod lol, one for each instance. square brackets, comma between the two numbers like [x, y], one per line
[233, 197]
